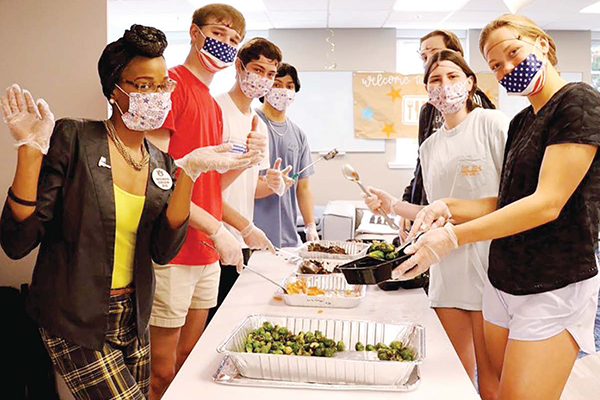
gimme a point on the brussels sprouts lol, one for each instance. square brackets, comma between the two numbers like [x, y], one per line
[340, 346]
[396, 345]
[267, 326]
[370, 347]
[377, 254]
[359, 346]
[330, 352]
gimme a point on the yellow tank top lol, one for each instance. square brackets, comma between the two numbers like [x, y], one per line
[128, 210]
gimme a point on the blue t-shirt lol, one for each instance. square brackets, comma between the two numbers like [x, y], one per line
[275, 215]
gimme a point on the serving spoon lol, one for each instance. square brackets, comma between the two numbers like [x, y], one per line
[350, 174]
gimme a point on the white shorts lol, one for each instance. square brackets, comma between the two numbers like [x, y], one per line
[183, 287]
[544, 315]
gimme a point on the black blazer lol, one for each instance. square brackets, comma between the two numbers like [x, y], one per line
[74, 222]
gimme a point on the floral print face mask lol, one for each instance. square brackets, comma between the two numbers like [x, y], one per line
[147, 111]
[253, 85]
[280, 98]
[449, 99]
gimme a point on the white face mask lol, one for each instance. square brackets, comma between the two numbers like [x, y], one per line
[280, 98]
[147, 111]
[253, 85]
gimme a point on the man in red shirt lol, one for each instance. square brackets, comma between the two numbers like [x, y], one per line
[187, 288]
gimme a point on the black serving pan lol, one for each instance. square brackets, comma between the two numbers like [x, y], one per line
[370, 271]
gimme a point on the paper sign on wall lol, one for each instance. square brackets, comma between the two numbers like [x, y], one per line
[387, 105]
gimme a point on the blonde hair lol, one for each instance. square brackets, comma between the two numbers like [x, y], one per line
[523, 26]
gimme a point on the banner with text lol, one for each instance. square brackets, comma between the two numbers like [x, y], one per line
[387, 105]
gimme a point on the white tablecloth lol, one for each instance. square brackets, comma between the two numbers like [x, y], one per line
[442, 375]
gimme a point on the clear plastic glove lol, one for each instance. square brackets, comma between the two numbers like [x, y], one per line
[275, 178]
[311, 232]
[379, 198]
[214, 158]
[434, 215]
[256, 141]
[256, 238]
[230, 250]
[429, 249]
[30, 123]
[404, 225]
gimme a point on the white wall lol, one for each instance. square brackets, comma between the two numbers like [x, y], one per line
[573, 51]
[355, 50]
[50, 47]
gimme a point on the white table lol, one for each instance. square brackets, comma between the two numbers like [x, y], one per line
[442, 375]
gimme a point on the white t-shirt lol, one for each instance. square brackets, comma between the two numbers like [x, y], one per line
[236, 126]
[466, 163]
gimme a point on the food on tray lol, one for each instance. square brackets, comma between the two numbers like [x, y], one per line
[300, 287]
[314, 267]
[382, 250]
[269, 339]
[396, 351]
[326, 249]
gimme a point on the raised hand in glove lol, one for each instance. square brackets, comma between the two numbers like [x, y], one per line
[214, 158]
[30, 123]
[429, 249]
[256, 238]
[256, 141]
[275, 178]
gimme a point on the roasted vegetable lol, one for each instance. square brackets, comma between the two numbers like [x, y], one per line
[394, 352]
[377, 254]
[269, 339]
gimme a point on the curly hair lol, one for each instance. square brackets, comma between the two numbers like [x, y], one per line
[139, 40]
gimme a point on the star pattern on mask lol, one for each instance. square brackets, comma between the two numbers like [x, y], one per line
[519, 78]
[222, 51]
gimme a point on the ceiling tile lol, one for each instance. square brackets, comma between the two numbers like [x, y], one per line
[358, 19]
[293, 5]
[353, 5]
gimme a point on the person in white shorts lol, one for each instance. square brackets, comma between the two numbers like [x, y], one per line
[540, 303]
[463, 159]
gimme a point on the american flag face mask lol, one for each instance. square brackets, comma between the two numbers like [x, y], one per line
[527, 78]
[215, 55]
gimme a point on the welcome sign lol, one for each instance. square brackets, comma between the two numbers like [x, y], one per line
[387, 104]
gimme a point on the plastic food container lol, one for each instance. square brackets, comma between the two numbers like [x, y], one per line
[418, 282]
[338, 293]
[370, 271]
[348, 367]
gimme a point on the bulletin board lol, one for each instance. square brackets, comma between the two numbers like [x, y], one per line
[323, 109]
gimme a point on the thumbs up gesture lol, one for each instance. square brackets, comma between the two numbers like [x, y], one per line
[256, 140]
[276, 178]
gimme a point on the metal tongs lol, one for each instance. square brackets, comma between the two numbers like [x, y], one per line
[325, 157]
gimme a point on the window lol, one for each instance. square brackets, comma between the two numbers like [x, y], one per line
[408, 62]
[596, 64]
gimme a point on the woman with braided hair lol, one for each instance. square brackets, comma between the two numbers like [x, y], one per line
[102, 203]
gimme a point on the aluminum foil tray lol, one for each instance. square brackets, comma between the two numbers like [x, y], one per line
[338, 293]
[348, 367]
[329, 265]
[228, 374]
[354, 250]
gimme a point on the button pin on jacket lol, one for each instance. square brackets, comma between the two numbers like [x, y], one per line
[102, 162]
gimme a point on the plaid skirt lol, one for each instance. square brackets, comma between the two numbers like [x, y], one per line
[121, 371]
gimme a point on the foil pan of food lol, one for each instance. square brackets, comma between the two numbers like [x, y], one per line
[332, 250]
[326, 351]
[321, 291]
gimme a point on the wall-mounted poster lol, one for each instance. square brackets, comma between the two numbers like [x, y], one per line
[387, 104]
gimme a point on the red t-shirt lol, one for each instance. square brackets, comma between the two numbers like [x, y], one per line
[196, 121]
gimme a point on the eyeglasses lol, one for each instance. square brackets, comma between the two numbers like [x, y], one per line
[145, 87]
